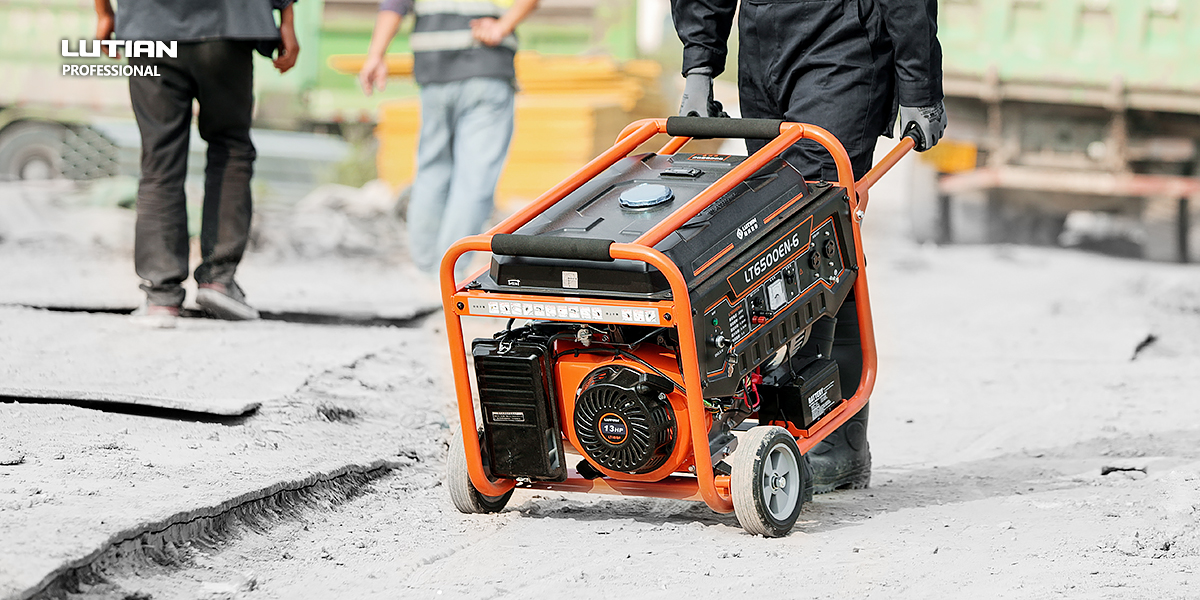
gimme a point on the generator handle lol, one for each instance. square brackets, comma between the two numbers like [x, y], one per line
[903, 147]
[570, 248]
[722, 127]
[785, 135]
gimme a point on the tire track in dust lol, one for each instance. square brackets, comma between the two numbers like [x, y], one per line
[432, 564]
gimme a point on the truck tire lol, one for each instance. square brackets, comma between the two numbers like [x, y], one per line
[31, 151]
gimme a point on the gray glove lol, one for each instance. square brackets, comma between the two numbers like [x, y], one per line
[928, 123]
[698, 97]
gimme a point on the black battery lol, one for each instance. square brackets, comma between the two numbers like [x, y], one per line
[520, 410]
[803, 401]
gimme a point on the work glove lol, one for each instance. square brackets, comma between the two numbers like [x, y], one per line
[927, 123]
[698, 97]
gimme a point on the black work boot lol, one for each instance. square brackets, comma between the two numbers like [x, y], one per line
[843, 459]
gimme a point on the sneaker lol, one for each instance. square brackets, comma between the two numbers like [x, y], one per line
[225, 302]
[156, 316]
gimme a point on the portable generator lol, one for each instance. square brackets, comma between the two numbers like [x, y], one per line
[669, 327]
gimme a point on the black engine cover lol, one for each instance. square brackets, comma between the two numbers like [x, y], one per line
[736, 220]
[623, 419]
[762, 263]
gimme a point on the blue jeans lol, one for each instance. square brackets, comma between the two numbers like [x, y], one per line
[465, 129]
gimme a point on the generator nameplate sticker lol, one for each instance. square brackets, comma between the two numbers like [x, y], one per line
[634, 315]
[510, 416]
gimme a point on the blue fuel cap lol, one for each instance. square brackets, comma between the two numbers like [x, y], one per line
[646, 195]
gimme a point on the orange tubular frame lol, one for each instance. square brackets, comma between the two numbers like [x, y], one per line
[677, 312]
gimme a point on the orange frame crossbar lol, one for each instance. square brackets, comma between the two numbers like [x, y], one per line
[713, 489]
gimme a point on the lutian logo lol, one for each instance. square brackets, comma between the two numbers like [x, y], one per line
[127, 48]
[116, 49]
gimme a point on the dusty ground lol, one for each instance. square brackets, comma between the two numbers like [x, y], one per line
[991, 429]
[1034, 433]
[89, 476]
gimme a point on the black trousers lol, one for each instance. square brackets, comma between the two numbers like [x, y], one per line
[827, 63]
[219, 75]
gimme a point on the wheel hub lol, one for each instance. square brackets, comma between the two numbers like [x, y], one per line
[779, 497]
[778, 482]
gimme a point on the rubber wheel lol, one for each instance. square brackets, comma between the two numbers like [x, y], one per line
[768, 481]
[31, 151]
[466, 498]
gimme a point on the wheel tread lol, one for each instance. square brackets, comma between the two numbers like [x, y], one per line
[745, 481]
[466, 498]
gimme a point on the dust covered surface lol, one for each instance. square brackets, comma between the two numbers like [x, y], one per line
[90, 478]
[202, 365]
[1034, 430]
[1008, 383]
[337, 251]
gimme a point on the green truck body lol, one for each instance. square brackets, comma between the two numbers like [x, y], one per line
[1073, 105]
[1079, 49]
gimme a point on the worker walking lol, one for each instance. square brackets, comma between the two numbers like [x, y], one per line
[214, 67]
[463, 55]
[849, 66]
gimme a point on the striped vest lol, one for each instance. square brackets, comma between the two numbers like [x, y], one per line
[444, 50]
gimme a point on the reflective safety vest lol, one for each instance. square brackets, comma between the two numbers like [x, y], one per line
[444, 49]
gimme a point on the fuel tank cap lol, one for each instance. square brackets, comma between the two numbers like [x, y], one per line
[646, 195]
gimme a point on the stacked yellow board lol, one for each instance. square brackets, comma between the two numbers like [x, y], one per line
[569, 109]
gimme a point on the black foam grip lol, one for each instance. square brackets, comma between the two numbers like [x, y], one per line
[914, 132]
[706, 127]
[510, 244]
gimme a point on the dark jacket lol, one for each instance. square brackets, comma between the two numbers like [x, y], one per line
[198, 21]
[809, 32]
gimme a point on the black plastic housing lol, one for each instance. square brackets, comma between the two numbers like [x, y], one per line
[814, 392]
[594, 211]
[520, 410]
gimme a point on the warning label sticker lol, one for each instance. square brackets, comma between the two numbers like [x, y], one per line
[507, 416]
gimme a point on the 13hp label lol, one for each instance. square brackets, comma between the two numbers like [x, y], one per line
[782, 251]
[613, 429]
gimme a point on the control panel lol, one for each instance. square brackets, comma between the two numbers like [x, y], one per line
[796, 284]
